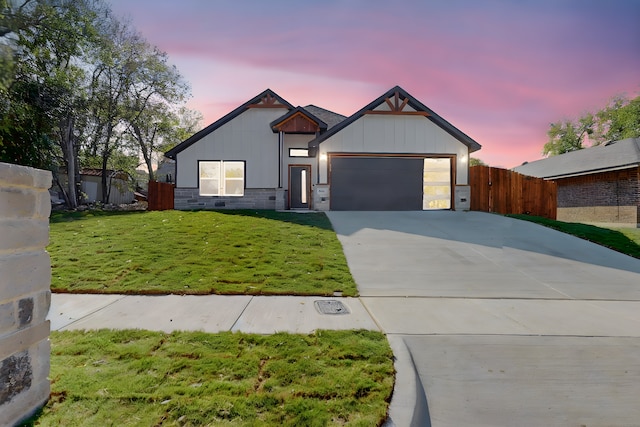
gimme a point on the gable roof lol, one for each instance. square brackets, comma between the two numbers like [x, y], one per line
[398, 93]
[297, 111]
[601, 158]
[329, 117]
[268, 96]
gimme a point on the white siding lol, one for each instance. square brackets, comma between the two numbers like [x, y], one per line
[396, 134]
[247, 137]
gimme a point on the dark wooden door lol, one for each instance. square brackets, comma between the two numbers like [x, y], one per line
[299, 186]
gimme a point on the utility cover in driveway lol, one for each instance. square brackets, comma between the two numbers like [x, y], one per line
[376, 183]
[331, 307]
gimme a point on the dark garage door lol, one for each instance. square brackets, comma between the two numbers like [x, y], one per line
[376, 183]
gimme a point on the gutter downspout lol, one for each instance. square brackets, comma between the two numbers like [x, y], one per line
[280, 157]
[318, 161]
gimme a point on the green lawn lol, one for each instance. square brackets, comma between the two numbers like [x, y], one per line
[203, 252]
[625, 240]
[143, 378]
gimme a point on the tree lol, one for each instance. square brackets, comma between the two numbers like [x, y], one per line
[76, 85]
[620, 119]
[473, 161]
[149, 110]
[47, 88]
[565, 136]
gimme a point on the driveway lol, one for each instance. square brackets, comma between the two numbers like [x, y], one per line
[506, 322]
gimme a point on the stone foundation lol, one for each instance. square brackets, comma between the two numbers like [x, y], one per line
[25, 277]
[254, 198]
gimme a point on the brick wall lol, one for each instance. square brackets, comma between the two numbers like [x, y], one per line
[254, 198]
[25, 276]
[608, 197]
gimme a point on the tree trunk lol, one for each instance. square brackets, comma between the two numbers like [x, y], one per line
[104, 182]
[70, 154]
[146, 153]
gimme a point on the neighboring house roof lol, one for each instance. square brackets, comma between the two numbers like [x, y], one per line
[614, 155]
[398, 93]
[268, 96]
[110, 173]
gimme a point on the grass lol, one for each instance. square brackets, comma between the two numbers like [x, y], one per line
[143, 378]
[203, 252]
[625, 240]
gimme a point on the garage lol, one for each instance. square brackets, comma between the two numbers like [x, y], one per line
[394, 154]
[376, 183]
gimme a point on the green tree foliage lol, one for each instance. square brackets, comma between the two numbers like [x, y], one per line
[565, 136]
[73, 81]
[620, 119]
[473, 161]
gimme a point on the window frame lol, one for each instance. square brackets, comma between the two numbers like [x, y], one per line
[294, 156]
[222, 178]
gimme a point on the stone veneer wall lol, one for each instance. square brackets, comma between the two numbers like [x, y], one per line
[25, 277]
[254, 198]
[608, 197]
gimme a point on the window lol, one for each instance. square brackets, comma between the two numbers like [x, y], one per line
[436, 183]
[221, 178]
[298, 152]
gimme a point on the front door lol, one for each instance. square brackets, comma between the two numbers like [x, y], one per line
[299, 186]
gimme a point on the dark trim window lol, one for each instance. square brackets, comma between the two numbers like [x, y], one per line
[221, 178]
[298, 152]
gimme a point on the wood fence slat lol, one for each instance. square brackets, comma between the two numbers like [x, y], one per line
[160, 196]
[508, 192]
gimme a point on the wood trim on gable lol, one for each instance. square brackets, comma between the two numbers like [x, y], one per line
[396, 107]
[267, 101]
[298, 123]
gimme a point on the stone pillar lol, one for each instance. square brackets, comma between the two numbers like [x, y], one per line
[25, 278]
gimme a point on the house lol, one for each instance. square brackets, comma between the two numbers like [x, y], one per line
[119, 183]
[600, 184]
[393, 154]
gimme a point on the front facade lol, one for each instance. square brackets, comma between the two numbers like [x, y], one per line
[595, 185]
[393, 154]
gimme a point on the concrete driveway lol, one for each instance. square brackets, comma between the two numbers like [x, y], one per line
[506, 322]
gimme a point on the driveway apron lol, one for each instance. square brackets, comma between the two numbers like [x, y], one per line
[507, 322]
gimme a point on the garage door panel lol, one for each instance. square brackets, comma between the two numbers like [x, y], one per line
[376, 183]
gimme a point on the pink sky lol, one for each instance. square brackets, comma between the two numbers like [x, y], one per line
[500, 71]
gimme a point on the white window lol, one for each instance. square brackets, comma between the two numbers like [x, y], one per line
[221, 178]
[298, 152]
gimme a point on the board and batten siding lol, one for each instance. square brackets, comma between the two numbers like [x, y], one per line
[402, 134]
[247, 137]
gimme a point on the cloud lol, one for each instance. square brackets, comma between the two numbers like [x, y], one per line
[500, 71]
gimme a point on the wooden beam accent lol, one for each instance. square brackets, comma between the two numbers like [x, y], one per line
[268, 101]
[388, 101]
[395, 107]
[404, 104]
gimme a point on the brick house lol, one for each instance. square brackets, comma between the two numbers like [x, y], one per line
[600, 184]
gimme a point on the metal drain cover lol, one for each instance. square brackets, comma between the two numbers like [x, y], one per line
[331, 306]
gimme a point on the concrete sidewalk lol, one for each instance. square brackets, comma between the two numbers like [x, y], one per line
[414, 327]
[208, 313]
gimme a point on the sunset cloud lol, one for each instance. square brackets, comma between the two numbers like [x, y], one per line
[500, 71]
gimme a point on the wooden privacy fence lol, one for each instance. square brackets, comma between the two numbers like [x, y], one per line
[160, 196]
[508, 192]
